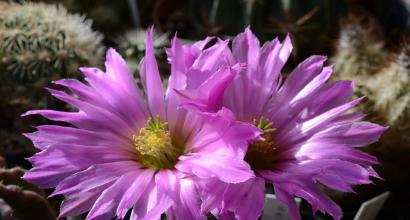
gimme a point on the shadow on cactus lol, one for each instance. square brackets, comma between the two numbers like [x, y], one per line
[39, 40]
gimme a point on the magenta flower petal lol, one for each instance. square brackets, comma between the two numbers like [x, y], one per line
[267, 62]
[287, 198]
[252, 206]
[226, 216]
[167, 181]
[151, 79]
[245, 48]
[303, 187]
[136, 189]
[216, 166]
[78, 204]
[356, 134]
[120, 75]
[177, 79]
[215, 148]
[94, 176]
[106, 204]
[190, 52]
[189, 208]
[209, 93]
[224, 199]
[210, 59]
[110, 89]
[151, 205]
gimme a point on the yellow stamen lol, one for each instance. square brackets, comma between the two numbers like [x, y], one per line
[155, 147]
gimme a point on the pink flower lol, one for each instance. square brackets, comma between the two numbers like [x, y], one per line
[310, 136]
[125, 152]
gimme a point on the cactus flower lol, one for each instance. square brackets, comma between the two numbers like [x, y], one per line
[125, 152]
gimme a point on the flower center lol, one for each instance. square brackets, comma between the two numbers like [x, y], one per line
[261, 153]
[154, 145]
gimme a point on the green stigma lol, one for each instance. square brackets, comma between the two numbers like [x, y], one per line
[155, 147]
[264, 124]
[260, 154]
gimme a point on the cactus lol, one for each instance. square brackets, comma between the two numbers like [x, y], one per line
[21, 200]
[390, 91]
[359, 55]
[38, 39]
[380, 75]
[359, 50]
[27, 204]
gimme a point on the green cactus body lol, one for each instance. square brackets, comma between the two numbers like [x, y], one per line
[38, 39]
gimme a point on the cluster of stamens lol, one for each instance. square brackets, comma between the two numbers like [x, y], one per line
[154, 145]
[260, 154]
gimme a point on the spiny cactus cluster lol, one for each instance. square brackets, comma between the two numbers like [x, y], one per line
[379, 74]
[359, 50]
[390, 90]
[38, 39]
[382, 75]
